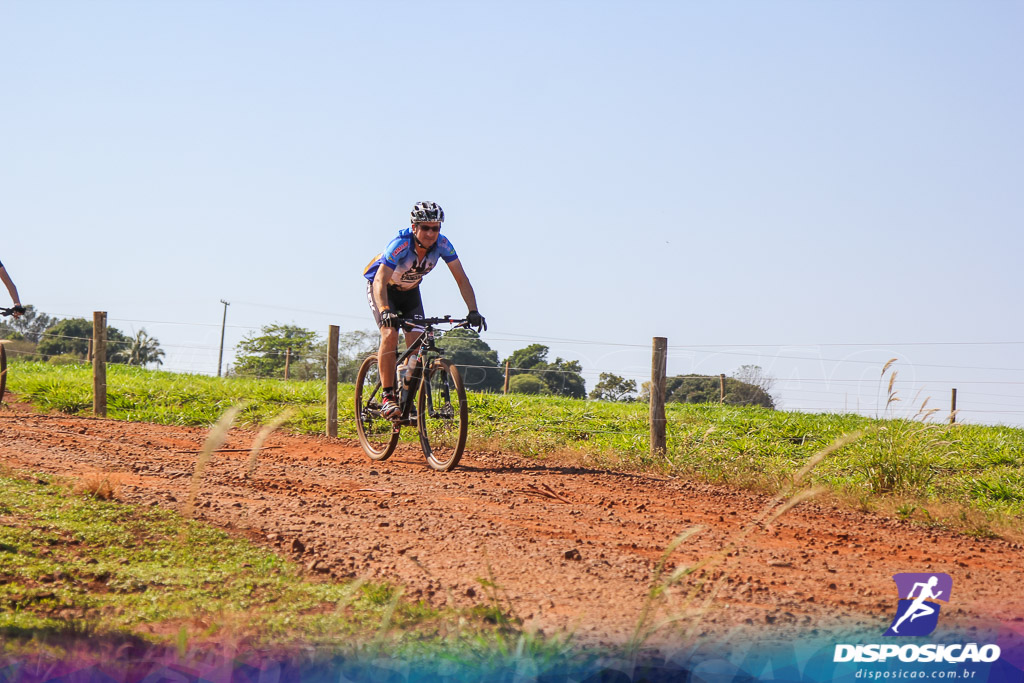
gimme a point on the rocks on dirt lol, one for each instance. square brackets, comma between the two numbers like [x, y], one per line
[446, 530]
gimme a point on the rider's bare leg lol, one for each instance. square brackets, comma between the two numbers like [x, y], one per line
[387, 354]
[386, 357]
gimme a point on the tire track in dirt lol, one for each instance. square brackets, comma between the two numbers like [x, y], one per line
[571, 548]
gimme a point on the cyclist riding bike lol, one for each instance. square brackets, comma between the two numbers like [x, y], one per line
[393, 289]
[12, 290]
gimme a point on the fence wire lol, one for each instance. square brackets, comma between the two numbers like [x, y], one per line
[862, 395]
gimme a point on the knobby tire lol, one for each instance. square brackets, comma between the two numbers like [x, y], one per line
[378, 435]
[3, 372]
[443, 419]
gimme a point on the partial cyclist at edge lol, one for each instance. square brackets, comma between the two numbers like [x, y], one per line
[393, 289]
[18, 309]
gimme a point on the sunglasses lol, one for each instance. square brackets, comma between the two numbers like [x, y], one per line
[429, 228]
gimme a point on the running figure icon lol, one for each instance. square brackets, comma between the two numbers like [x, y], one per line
[918, 608]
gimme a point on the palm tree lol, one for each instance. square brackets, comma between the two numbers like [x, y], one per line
[142, 350]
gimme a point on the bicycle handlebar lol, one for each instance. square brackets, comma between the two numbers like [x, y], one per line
[421, 322]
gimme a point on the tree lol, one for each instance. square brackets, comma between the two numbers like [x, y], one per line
[141, 350]
[527, 384]
[754, 385]
[562, 377]
[739, 393]
[477, 362]
[693, 389]
[613, 388]
[264, 355]
[353, 347]
[707, 389]
[71, 336]
[527, 358]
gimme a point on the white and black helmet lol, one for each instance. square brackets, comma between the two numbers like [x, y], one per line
[427, 212]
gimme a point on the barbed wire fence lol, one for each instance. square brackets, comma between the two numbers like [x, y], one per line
[825, 391]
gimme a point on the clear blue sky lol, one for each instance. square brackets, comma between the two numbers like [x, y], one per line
[792, 175]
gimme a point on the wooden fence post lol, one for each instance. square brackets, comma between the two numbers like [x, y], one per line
[287, 361]
[332, 381]
[506, 376]
[721, 388]
[99, 363]
[659, 361]
[952, 409]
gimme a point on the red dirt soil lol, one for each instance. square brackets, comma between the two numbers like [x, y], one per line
[571, 549]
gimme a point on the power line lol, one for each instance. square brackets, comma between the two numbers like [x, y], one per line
[518, 337]
[870, 362]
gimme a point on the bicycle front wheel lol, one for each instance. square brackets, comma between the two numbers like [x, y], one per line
[377, 434]
[443, 416]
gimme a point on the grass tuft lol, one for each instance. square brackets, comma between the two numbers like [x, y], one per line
[100, 486]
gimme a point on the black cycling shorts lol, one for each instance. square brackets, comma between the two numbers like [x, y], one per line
[406, 304]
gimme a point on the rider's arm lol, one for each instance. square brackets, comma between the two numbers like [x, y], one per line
[380, 286]
[10, 285]
[459, 273]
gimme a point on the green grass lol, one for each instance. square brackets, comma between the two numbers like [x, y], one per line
[967, 475]
[141, 395]
[114, 568]
[75, 568]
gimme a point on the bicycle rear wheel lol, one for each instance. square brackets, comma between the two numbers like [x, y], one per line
[3, 372]
[443, 416]
[377, 434]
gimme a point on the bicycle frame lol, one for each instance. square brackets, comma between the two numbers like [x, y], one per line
[423, 351]
[435, 389]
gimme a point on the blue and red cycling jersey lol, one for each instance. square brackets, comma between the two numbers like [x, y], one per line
[400, 255]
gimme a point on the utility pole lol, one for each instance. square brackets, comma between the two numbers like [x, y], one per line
[223, 323]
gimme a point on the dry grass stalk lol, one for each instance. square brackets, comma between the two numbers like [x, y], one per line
[642, 631]
[386, 621]
[893, 395]
[778, 506]
[264, 434]
[841, 442]
[924, 413]
[214, 440]
[885, 368]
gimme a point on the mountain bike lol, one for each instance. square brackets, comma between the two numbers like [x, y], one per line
[433, 386]
[3, 352]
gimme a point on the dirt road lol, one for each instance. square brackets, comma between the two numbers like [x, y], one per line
[570, 548]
